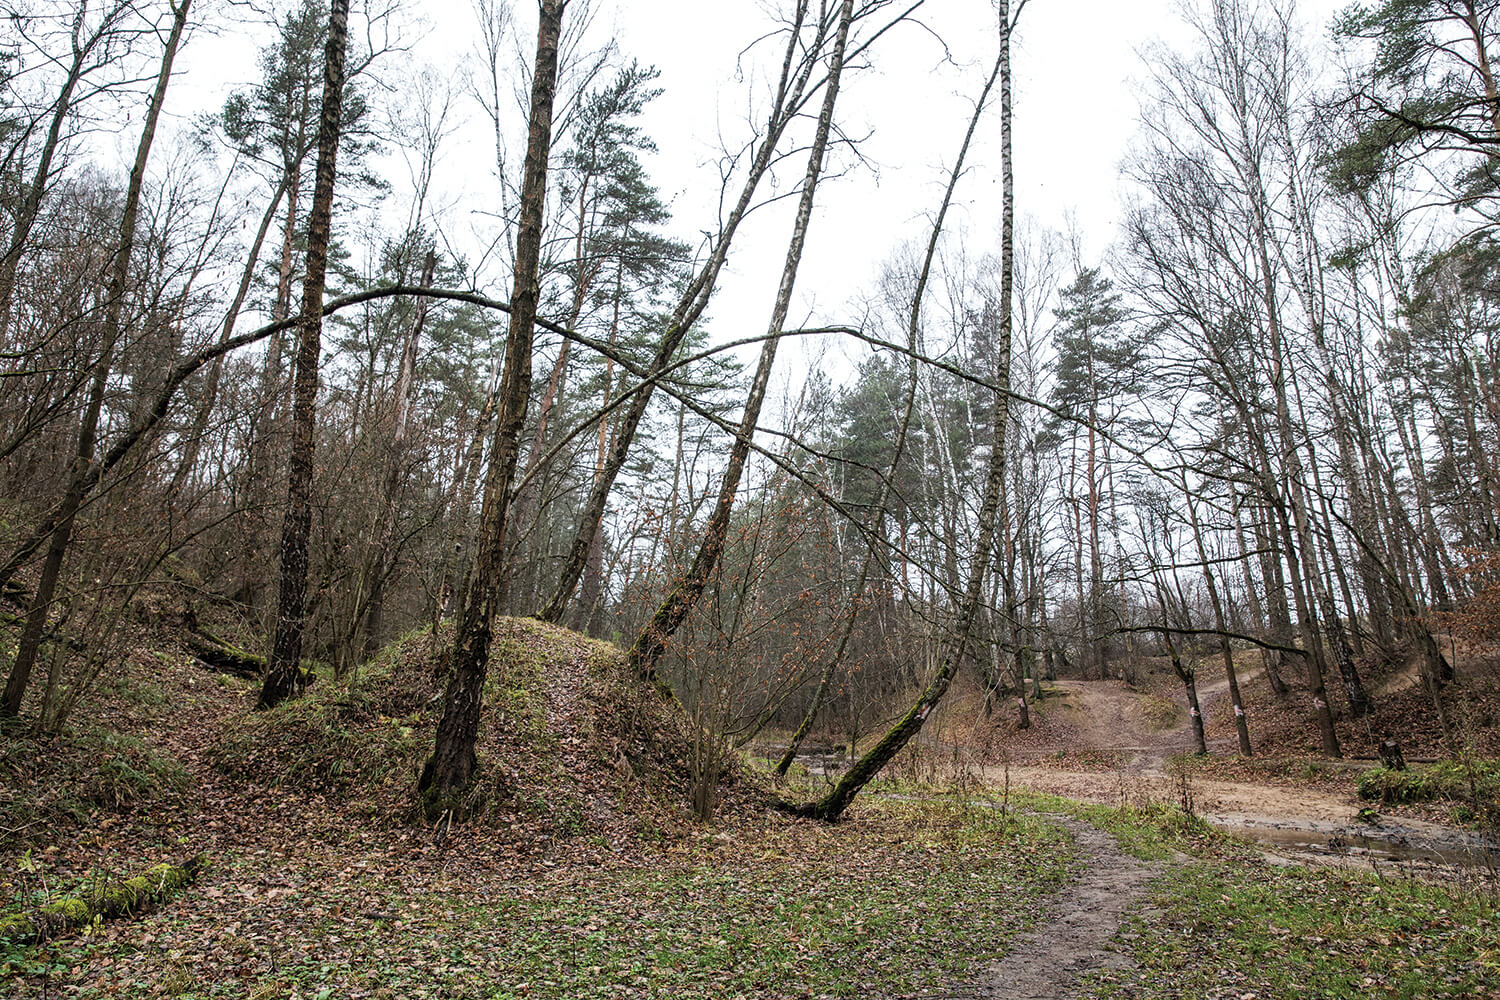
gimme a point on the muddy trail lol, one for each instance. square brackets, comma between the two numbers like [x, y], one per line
[1292, 822]
[1078, 929]
[1140, 732]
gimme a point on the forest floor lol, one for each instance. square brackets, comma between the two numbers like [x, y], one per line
[580, 882]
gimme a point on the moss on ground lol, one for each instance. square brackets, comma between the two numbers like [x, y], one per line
[567, 742]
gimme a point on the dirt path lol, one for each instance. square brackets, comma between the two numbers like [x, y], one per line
[1308, 823]
[1075, 934]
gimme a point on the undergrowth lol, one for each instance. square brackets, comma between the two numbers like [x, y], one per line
[899, 900]
[1471, 784]
[1246, 928]
[66, 778]
[567, 743]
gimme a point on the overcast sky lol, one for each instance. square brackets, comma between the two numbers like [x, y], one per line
[1076, 67]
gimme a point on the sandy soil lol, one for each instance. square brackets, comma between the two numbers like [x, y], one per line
[1114, 721]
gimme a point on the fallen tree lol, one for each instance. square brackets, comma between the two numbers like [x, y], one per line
[118, 899]
[223, 656]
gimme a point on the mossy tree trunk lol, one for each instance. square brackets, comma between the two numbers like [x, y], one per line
[652, 641]
[832, 805]
[118, 899]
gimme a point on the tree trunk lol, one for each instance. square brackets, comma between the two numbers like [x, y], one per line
[446, 778]
[832, 805]
[825, 678]
[210, 396]
[1190, 688]
[683, 596]
[1241, 725]
[694, 300]
[88, 431]
[1270, 658]
[26, 214]
[283, 674]
[385, 546]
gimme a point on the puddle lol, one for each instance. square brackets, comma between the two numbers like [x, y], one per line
[819, 761]
[1390, 842]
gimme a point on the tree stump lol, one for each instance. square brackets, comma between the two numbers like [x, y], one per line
[1391, 756]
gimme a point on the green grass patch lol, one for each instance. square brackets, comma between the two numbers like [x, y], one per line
[358, 738]
[1472, 783]
[65, 778]
[1250, 929]
[1153, 832]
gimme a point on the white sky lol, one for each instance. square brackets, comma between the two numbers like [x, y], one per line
[1075, 63]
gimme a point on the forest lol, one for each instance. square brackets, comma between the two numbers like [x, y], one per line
[452, 545]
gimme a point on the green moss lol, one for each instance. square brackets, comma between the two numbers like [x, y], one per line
[363, 739]
[72, 911]
[17, 928]
[117, 899]
[124, 897]
[232, 649]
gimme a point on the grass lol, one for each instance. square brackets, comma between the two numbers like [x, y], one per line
[1227, 924]
[1153, 831]
[904, 897]
[565, 737]
[1244, 928]
[1160, 713]
[1472, 784]
[65, 778]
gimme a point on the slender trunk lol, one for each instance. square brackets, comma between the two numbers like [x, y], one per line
[1099, 654]
[88, 431]
[832, 805]
[268, 408]
[36, 189]
[1270, 658]
[1241, 725]
[385, 546]
[652, 642]
[1190, 689]
[283, 673]
[690, 307]
[445, 780]
[1318, 572]
[1292, 466]
[830, 666]
[215, 372]
[1432, 547]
